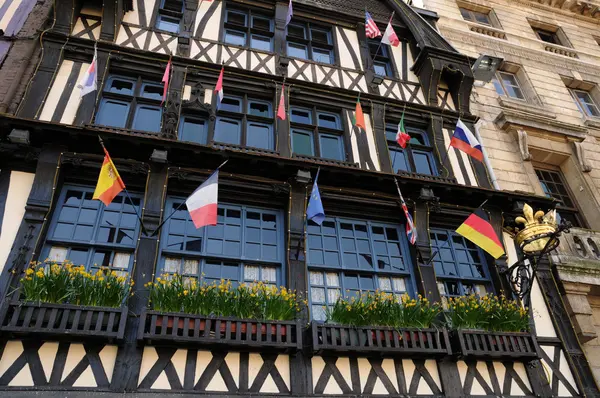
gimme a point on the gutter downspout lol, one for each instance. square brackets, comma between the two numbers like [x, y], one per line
[486, 160]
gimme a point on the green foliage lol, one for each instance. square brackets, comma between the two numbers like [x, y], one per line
[65, 283]
[255, 301]
[384, 309]
[488, 313]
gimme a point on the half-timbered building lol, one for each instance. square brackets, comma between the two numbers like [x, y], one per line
[163, 150]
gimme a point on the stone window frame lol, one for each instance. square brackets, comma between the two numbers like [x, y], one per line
[493, 19]
[590, 87]
[524, 82]
[562, 38]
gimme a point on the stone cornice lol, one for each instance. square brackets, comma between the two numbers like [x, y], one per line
[513, 118]
[551, 9]
[506, 47]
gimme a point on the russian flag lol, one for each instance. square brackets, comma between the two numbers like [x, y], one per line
[88, 81]
[464, 140]
[219, 88]
[202, 204]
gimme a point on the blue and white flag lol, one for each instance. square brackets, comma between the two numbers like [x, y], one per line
[315, 211]
[88, 83]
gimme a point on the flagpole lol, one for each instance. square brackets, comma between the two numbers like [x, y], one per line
[144, 231]
[182, 203]
[379, 46]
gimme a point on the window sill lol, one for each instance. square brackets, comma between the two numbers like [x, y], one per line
[240, 148]
[524, 106]
[592, 122]
[486, 30]
[379, 339]
[558, 49]
[315, 159]
[47, 319]
[310, 61]
[247, 48]
[503, 345]
[225, 331]
[427, 177]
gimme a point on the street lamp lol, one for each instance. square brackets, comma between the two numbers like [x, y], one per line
[538, 237]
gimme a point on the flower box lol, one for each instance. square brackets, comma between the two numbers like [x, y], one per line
[62, 320]
[380, 339]
[185, 328]
[486, 344]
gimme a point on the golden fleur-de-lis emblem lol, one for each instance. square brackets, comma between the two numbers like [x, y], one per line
[111, 173]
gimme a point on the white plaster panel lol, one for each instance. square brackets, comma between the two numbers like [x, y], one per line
[213, 25]
[149, 358]
[317, 368]
[14, 209]
[469, 168]
[86, 379]
[187, 92]
[75, 354]
[568, 375]
[282, 363]
[47, 353]
[149, 6]
[255, 362]
[12, 350]
[353, 137]
[108, 357]
[59, 84]
[208, 94]
[23, 378]
[68, 116]
[452, 157]
[161, 382]
[178, 359]
[203, 358]
[541, 316]
[409, 369]
[232, 360]
[519, 368]
[355, 44]
[432, 368]
[462, 371]
[390, 370]
[371, 140]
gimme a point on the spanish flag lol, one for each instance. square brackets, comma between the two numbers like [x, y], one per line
[110, 183]
[478, 229]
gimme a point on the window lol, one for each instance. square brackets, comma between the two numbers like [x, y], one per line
[460, 266]
[246, 245]
[340, 247]
[382, 62]
[507, 84]
[475, 16]
[547, 36]
[169, 15]
[308, 41]
[88, 233]
[245, 121]
[193, 129]
[248, 28]
[131, 103]
[554, 186]
[417, 157]
[317, 133]
[585, 103]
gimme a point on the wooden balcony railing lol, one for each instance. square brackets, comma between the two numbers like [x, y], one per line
[484, 344]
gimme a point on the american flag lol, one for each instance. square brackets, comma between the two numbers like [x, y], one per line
[411, 230]
[371, 27]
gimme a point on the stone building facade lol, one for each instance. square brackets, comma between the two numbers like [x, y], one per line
[540, 122]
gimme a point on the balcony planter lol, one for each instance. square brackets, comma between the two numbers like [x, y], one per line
[32, 318]
[158, 326]
[486, 344]
[379, 339]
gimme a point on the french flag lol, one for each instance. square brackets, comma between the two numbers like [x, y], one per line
[88, 83]
[464, 140]
[219, 88]
[202, 204]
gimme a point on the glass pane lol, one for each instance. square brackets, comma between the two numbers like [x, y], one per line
[296, 30]
[120, 86]
[333, 279]
[167, 23]
[317, 294]
[121, 260]
[256, 108]
[514, 92]
[302, 143]
[237, 18]
[269, 274]
[299, 115]
[152, 91]
[381, 68]
[234, 37]
[481, 18]
[465, 14]
[385, 284]
[260, 42]
[259, 136]
[399, 284]
[228, 131]
[147, 118]
[251, 273]
[193, 130]
[261, 23]
[231, 104]
[422, 164]
[172, 265]
[316, 278]
[498, 86]
[321, 35]
[399, 161]
[297, 50]
[58, 254]
[329, 120]
[112, 113]
[331, 147]
[322, 55]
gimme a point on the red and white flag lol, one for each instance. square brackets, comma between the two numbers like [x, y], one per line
[389, 36]
[219, 88]
[202, 204]
[165, 81]
[281, 107]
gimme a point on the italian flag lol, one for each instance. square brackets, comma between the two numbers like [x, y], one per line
[401, 137]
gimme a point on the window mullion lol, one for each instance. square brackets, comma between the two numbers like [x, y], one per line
[338, 231]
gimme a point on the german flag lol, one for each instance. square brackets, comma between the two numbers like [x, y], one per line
[477, 229]
[109, 183]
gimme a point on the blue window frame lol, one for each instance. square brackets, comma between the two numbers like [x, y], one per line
[417, 157]
[245, 121]
[347, 257]
[308, 41]
[245, 245]
[193, 129]
[248, 28]
[131, 103]
[317, 133]
[460, 266]
[169, 17]
[382, 60]
[88, 233]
